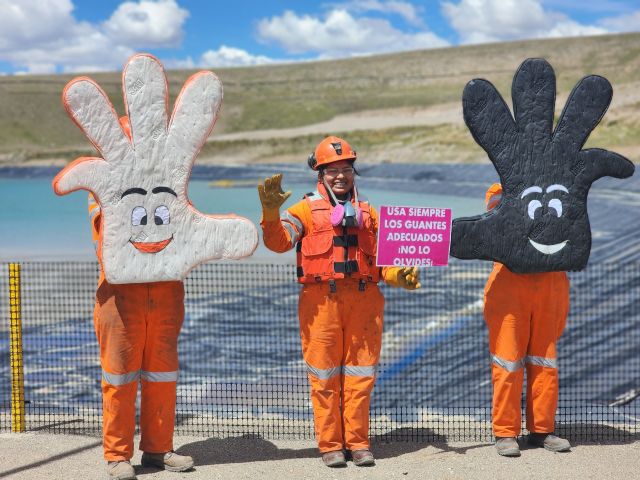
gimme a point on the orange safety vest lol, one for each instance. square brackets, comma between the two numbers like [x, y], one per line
[330, 253]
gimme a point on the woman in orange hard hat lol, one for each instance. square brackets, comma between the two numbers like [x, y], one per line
[525, 314]
[340, 306]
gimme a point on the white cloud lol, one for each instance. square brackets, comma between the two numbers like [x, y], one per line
[569, 28]
[43, 36]
[224, 56]
[33, 21]
[480, 21]
[231, 57]
[629, 22]
[179, 63]
[406, 10]
[339, 34]
[147, 23]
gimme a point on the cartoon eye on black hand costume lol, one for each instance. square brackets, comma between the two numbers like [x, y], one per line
[541, 223]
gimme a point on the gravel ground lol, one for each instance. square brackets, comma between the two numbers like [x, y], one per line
[39, 456]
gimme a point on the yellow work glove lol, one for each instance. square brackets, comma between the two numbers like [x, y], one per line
[405, 277]
[272, 197]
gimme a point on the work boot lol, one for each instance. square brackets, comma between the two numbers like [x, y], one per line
[334, 459]
[362, 458]
[121, 470]
[549, 441]
[507, 446]
[170, 461]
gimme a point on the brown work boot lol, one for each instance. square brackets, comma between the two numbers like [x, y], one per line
[549, 441]
[507, 446]
[121, 470]
[170, 461]
[334, 459]
[363, 458]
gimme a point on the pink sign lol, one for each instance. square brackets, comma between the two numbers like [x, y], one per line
[414, 236]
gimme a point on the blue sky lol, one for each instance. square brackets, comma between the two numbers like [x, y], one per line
[45, 36]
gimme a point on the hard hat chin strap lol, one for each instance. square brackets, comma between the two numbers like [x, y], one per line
[346, 214]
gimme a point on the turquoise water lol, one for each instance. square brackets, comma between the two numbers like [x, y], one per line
[36, 224]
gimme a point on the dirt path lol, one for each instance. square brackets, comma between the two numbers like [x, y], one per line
[625, 98]
[367, 120]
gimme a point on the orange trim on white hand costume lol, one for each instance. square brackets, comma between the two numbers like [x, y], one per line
[525, 314]
[148, 236]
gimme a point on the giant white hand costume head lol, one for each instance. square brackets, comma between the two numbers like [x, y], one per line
[150, 230]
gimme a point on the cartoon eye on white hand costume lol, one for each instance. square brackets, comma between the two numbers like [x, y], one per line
[150, 230]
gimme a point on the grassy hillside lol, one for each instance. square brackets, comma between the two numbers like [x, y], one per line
[34, 126]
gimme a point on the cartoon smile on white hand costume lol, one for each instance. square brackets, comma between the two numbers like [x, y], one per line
[149, 237]
[150, 230]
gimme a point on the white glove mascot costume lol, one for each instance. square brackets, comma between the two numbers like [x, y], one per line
[148, 238]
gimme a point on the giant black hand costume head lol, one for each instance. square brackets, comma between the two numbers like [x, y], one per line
[541, 223]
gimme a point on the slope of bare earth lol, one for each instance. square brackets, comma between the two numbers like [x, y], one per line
[394, 108]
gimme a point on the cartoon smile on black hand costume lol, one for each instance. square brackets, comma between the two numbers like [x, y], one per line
[541, 223]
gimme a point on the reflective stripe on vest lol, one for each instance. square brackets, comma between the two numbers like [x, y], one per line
[330, 253]
[292, 232]
[288, 222]
[313, 196]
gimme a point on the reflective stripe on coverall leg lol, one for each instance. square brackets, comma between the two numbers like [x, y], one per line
[137, 326]
[341, 335]
[525, 314]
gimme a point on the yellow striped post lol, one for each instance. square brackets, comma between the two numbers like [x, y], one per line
[17, 365]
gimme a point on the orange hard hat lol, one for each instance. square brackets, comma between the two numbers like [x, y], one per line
[331, 149]
[493, 196]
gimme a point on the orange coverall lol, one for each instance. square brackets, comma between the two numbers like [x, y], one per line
[137, 326]
[341, 335]
[525, 315]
